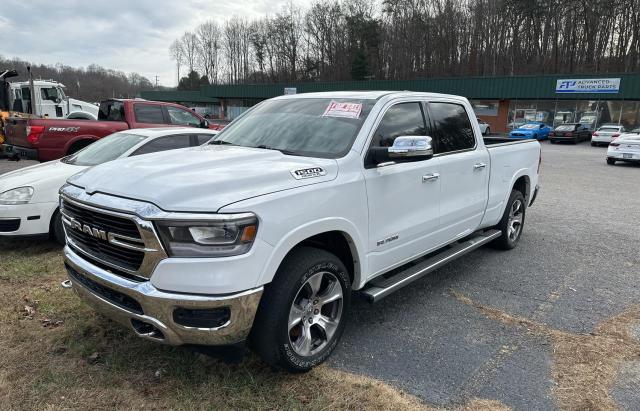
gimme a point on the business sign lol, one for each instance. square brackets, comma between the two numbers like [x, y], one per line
[589, 85]
[290, 90]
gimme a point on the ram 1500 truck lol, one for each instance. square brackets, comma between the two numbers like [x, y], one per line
[265, 233]
[46, 139]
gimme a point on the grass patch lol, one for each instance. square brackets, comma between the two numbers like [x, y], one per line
[57, 353]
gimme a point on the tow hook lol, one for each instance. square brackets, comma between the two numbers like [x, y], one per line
[66, 284]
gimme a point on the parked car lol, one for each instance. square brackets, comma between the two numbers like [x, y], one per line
[265, 231]
[632, 133]
[485, 128]
[29, 196]
[625, 148]
[534, 130]
[606, 134]
[51, 139]
[573, 132]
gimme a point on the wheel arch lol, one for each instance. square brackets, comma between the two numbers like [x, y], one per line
[336, 236]
[79, 141]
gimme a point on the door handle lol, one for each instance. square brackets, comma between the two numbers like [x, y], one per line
[479, 166]
[430, 177]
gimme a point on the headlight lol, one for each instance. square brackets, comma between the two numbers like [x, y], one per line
[21, 195]
[222, 236]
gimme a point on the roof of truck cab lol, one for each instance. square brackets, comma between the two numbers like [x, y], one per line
[368, 95]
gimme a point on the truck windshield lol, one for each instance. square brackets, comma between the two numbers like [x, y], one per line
[106, 149]
[312, 127]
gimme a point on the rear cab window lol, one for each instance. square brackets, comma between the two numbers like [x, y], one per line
[111, 110]
[451, 128]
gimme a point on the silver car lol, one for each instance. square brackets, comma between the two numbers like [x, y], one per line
[625, 148]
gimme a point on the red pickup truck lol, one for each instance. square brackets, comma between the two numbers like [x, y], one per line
[46, 139]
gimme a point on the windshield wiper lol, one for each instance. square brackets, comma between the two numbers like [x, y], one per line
[282, 150]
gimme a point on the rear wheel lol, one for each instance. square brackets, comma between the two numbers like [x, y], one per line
[535, 136]
[512, 222]
[593, 144]
[552, 141]
[611, 161]
[302, 313]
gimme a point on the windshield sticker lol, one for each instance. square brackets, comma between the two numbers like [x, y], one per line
[344, 110]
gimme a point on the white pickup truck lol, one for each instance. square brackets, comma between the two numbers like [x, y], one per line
[264, 234]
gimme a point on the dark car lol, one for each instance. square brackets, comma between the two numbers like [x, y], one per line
[572, 132]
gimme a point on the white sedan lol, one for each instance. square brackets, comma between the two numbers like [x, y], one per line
[625, 148]
[606, 134]
[29, 196]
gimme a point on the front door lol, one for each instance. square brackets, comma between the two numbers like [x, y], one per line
[403, 198]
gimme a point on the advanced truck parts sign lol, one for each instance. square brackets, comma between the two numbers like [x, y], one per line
[589, 85]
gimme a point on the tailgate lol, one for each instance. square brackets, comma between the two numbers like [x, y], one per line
[16, 132]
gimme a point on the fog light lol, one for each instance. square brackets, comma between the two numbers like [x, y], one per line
[202, 318]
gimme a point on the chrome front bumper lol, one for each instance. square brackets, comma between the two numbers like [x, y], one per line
[155, 318]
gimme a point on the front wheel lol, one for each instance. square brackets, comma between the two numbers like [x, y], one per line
[302, 313]
[512, 222]
[56, 230]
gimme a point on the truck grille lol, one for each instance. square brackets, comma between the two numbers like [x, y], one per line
[101, 248]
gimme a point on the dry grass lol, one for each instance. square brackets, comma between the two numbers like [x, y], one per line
[56, 353]
[585, 366]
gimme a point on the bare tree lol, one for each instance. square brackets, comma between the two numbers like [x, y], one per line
[208, 35]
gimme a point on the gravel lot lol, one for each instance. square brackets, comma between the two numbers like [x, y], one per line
[520, 327]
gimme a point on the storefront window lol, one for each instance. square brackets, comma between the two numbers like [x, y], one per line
[630, 117]
[521, 112]
[545, 111]
[610, 112]
[588, 112]
[485, 107]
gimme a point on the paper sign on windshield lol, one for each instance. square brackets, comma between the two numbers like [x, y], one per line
[345, 110]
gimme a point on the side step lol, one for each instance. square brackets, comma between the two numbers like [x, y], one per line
[382, 286]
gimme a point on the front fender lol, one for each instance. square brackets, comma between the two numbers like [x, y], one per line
[303, 232]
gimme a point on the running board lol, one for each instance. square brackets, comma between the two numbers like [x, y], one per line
[380, 287]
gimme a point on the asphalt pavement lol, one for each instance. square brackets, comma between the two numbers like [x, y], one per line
[577, 265]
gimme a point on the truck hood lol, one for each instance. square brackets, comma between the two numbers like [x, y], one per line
[206, 178]
[79, 105]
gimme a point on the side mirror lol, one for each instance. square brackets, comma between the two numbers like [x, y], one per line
[204, 124]
[411, 148]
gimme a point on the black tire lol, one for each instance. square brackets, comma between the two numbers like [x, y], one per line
[271, 336]
[535, 136]
[575, 140]
[552, 141]
[593, 144]
[507, 241]
[56, 230]
[611, 161]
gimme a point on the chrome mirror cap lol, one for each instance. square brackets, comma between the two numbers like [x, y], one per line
[411, 146]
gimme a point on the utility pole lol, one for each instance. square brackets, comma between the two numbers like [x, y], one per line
[156, 81]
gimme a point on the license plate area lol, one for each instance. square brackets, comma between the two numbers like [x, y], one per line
[626, 155]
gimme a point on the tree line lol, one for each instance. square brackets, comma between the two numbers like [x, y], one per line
[403, 39]
[93, 83]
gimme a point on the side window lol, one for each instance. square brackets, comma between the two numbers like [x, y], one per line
[49, 93]
[452, 129]
[203, 138]
[164, 144]
[182, 117]
[404, 119]
[148, 113]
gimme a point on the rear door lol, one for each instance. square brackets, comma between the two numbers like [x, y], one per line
[464, 169]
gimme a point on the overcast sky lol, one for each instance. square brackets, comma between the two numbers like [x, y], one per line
[127, 35]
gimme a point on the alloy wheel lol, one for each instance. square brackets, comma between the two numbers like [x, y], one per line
[315, 313]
